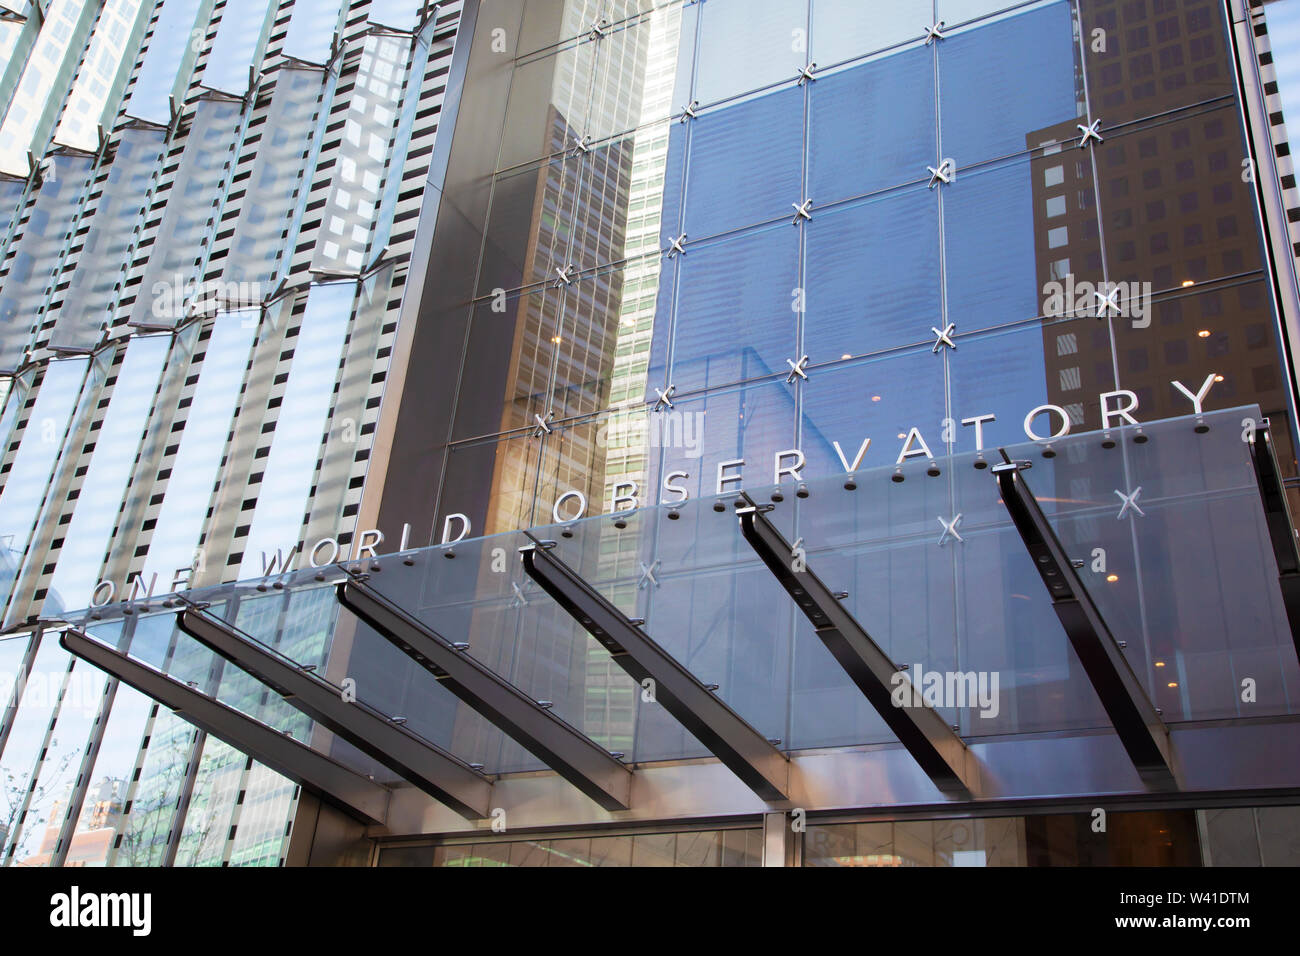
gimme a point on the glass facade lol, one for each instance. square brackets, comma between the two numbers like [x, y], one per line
[189, 375]
[267, 333]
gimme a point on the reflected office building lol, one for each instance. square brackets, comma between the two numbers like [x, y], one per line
[748, 433]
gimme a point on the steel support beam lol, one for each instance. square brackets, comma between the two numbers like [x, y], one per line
[436, 772]
[323, 776]
[1139, 726]
[575, 757]
[1277, 515]
[744, 751]
[921, 730]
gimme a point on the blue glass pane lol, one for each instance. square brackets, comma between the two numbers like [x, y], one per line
[1000, 85]
[745, 164]
[872, 275]
[311, 28]
[880, 400]
[734, 317]
[235, 46]
[283, 495]
[1012, 371]
[844, 29]
[402, 14]
[872, 126]
[86, 540]
[23, 494]
[35, 257]
[173, 36]
[955, 12]
[998, 247]
[747, 44]
[753, 422]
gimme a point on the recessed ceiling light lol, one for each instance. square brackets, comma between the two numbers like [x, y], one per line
[1204, 333]
[1187, 282]
[1112, 578]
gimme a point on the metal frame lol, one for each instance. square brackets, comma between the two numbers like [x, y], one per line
[444, 777]
[1136, 720]
[327, 778]
[746, 752]
[571, 754]
[941, 753]
[1277, 515]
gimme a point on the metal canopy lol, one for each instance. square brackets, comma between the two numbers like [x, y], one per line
[741, 748]
[575, 757]
[436, 772]
[1277, 515]
[1138, 724]
[922, 730]
[323, 776]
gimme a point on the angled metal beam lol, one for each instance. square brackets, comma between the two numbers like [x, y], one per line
[323, 776]
[922, 730]
[575, 757]
[1277, 514]
[1139, 726]
[436, 772]
[746, 752]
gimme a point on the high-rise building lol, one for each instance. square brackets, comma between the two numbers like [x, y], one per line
[648, 432]
[207, 214]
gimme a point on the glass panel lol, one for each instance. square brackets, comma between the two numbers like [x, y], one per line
[872, 275]
[1223, 338]
[264, 820]
[747, 44]
[492, 483]
[192, 201]
[194, 473]
[260, 240]
[1175, 207]
[93, 99]
[953, 12]
[33, 842]
[531, 227]
[992, 102]
[26, 740]
[1011, 371]
[100, 816]
[1151, 58]
[872, 126]
[36, 256]
[311, 29]
[547, 109]
[363, 161]
[844, 29]
[153, 798]
[399, 14]
[1008, 247]
[746, 163]
[735, 315]
[235, 49]
[290, 467]
[1147, 838]
[509, 385]
[32, 112]
[87, 537]
[25, 485]
[93, 286]
[642, 72]
[207, 820]
[168, 59]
